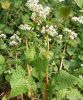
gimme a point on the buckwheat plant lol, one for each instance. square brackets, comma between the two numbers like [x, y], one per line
[41, 49]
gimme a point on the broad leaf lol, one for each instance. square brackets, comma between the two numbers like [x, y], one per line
[74, 94]
[61, 94]
[17, 3]
[70, 50]
[20, 83]
[17, 82]
[2, 60]
[63, 80]
[2, 69]
[65, 11]
[79, 3]
[30, 54]
[40, 67]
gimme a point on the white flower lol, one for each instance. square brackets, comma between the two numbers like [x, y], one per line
[47, 10]
[61, 0]
[14, 40]
[32, 4]
[81, 65]
[33, 16]
[60, 37]
[2, 36]
[72, 34]
[66, 30]
[39, 8]
[13, 43]
[78, 19]
[25, 27]
[80, 76]
[75, 18]
[8, 72]
[39, 13]
[43, 29]
[51, 30]
[15, 37]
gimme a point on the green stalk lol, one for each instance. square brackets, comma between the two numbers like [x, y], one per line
[16, 55]
[29, 73]
[61, 64]
[46, 74]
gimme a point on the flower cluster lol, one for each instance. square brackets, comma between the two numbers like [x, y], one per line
[51, 30]
[2, 36]
[78, 19]
[25, 27]
[15, 40]
[39, 12]
[72, 34]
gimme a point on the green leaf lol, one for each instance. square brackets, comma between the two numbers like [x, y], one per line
[74, 94]
[66, 64]
[4, 98]
[70, 50]
[81, 57]
[2, 60]
[73, 65]
[2, 26]
[34, 73]
[3, 46]
[63, 80]
[20, 83]
[80, 83]
[8, 30]
[16, 61]
[65, 11]
[2, 69]
[17, 3]
[2, 64]
[26, 19]
[79, 3]
[17, 82]
[30, 54]
[61, 94]
[40, 66]
[43, 51]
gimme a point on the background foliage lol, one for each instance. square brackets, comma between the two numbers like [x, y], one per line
[25, 72]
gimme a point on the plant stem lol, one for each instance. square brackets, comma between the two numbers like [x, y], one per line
[47, 48]
[46, 90]
[16, 58]
[16, 55]
[22, 98]
[46, 74]
[61, 64]
[26, 44]
[29, 73]
[32, 98]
